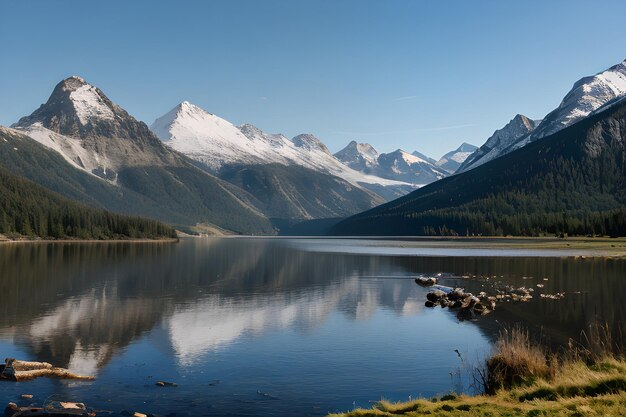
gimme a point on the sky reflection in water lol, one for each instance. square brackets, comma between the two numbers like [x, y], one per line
[259, 326]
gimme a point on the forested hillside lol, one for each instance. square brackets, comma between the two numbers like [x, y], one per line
[573, 182]
[27, 209]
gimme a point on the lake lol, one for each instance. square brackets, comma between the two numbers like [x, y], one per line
[275, 327]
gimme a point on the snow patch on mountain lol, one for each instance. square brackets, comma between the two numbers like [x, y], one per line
[89, 104]
[72, 150]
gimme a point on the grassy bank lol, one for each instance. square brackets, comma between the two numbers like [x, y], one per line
[522, 379]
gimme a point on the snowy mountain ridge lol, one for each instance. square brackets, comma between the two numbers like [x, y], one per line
[398, 165]
[588, 95]
[217, 143]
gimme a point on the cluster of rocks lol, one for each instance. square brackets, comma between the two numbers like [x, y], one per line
[470, 305]
[456, 298]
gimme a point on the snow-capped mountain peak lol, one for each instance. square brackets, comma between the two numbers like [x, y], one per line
[360, 156]
[88, 101]
[92, 133]
[74, 103]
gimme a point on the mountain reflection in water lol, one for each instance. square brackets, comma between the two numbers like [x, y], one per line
[203, 302]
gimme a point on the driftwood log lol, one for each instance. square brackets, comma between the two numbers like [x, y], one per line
[15, 370]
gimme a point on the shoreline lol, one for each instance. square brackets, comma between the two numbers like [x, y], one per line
[47, 241]
[586, 247]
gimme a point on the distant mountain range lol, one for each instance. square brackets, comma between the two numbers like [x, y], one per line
[197, 171]
[201, 171]
[569, 181]
[399, 165]
[221, 146]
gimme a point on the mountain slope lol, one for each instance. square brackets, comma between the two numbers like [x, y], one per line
[453, 159]
[30, 210]
[586, 96]
[100, 138]
[294, 192]
[573, 181]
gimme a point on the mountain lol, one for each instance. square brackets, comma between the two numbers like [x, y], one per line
[99, 138]
[274, 168]
[403, 166]
[573, 181]
[589, 94]
[501, 142]
[453, 159]
[399, 165]
[359, 156]
[27, 209]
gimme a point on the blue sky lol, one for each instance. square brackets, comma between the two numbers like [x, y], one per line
[423, 75]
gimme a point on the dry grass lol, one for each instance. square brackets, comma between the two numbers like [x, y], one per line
[516, 361]
[589, 380]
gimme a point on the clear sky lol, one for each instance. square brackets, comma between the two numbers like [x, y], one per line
[423, 75]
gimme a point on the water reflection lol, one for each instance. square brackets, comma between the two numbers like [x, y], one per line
[246, 301]
[76, 305]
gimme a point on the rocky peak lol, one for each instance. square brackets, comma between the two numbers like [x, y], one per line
[519, 126]
[75, 108]
[81, 123]
[310, 142]
[360, 156]
[466, 147]
[250, 130]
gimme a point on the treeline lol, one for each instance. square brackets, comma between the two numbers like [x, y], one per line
[27, 209]
[466, 223]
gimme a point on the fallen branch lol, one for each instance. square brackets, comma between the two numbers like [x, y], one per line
[15, 370]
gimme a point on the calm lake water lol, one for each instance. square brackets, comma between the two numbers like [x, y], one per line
[274, 327]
